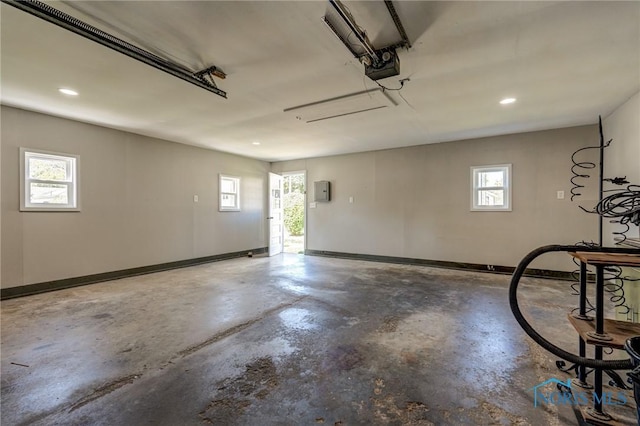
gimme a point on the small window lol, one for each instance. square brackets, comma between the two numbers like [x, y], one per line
[491, 188]
[49, 181]
[229, 193]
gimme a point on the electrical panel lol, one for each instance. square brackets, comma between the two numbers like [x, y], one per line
[322, 190]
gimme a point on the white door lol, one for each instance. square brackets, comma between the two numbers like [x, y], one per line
[276, 215]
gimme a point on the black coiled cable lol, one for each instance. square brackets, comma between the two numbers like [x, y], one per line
[577, 173]
[614, 284]
[623, 205]
[621, 235]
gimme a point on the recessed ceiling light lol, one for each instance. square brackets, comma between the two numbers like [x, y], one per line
[256, 143]
[507, 101]
[68, 92]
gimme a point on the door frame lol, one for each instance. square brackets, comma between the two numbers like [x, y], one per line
[304, 173]
[271, 250]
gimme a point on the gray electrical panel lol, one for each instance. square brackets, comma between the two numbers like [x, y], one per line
[322, 190]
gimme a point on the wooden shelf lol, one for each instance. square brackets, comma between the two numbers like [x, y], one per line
[619, 331]
[596, 258]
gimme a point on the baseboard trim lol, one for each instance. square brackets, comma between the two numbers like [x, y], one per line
[43, 287]
[496, 269]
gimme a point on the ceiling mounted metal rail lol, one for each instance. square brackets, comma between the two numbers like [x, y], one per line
[340, 37]
[360, 35]
[399, 26]
[68, 22]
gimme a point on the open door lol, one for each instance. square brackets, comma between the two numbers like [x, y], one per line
[293, 201]
[276, 216]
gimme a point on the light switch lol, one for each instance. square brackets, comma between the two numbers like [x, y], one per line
[313, 205]
[351, 200]
[195, 198]
[560, 195]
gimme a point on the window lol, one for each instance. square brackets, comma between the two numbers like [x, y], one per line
[491, 188]
[49, 181]
[229, 193]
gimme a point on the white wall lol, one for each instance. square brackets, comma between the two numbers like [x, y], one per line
[137, 199]
[622, 157]
[137, 202]
[415, 202]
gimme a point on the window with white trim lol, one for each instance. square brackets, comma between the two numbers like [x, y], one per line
[229, 193]
[48, 181]
[491, 188]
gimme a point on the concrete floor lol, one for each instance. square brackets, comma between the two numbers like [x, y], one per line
[289, 340]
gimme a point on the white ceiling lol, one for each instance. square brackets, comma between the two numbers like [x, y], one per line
[565, 62]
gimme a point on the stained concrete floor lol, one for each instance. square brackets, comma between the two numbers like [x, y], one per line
[288, 340]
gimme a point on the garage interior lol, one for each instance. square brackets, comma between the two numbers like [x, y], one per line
[156, 291]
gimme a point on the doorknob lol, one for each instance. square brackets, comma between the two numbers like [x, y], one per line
[270, 217]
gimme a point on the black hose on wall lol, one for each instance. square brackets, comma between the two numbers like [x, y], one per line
[621, 364]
